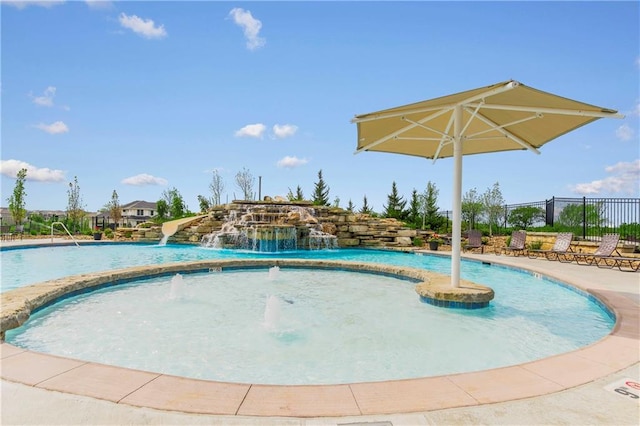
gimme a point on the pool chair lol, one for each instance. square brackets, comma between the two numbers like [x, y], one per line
[625, 264]
[561, 246]
[474, 241]
[517, 245]
[608, 245]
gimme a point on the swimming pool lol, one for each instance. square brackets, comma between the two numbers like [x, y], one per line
[531, 317]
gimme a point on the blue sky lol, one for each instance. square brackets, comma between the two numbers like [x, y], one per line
[141, 97]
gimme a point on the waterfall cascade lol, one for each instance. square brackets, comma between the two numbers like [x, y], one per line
[271, 228]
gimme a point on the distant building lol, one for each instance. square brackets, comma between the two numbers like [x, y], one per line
[133, 214]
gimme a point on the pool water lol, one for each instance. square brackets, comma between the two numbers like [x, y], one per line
[302, 326]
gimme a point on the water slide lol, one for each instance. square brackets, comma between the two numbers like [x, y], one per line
[171, 227]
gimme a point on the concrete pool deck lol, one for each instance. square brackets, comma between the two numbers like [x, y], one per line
[565, 389]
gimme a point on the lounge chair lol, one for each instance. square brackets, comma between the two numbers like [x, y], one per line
[625, 264]
[608, 245]
[517, 245]
[561, 246]
[474, 241]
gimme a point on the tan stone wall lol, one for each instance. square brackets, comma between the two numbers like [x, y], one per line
[351, 229]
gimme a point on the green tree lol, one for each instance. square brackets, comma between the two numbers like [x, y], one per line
[336, 201]
[204, 203]
[298, 196]
[162, 209]
[395, 204]
[17, 203]
[365, 209]
[114, 208]
[174, 202]
[574, 215]
[320, 192]
[245, 182]
[75, 206]
[493, 205]
[350, 206]
[472, 207]
[413, 215]
[431, 218]
[525, 216]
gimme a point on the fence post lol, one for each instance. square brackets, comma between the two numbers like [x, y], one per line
[584, 218]
[550, 204]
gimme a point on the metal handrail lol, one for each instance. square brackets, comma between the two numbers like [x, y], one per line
[65, 228]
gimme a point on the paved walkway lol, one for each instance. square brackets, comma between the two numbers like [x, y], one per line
[584, 400]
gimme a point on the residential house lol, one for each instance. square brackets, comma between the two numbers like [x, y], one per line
[133, 214]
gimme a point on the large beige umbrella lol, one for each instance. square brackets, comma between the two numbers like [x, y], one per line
[501, 117]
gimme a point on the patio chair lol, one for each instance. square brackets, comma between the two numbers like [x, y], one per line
[625, 264]
[562, 246]
[7, 235]
[608, 245]
[474, 241]
[517, 245]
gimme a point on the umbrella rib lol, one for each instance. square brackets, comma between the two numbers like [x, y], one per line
[496, 90]
[504, 125]
[400, 131]
[508, 134]
[547, 110]
[418, 124]
[444, 139]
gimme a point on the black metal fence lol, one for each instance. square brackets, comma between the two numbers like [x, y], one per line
[587, 218]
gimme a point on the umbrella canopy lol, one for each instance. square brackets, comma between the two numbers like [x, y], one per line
[501, 117]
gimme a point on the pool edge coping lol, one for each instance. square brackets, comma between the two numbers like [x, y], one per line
[526, 380]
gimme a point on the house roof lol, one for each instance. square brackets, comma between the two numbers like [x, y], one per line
[138, 204]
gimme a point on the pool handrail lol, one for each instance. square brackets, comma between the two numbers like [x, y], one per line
[65, 228]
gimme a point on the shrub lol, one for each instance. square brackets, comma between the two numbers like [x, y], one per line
[535, 245]
[418, 242]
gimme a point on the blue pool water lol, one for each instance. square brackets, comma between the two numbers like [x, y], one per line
[369, 327]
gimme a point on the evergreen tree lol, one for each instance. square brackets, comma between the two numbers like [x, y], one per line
[320, 192]
[413, 215]
[395, 204]
[431, 218]
[298, 196]
[365, 209]
[350, 206]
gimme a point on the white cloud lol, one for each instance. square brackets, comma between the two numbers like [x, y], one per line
[250, 26]
[251, 130]
[284, 131]
[624, 179]
[636, 110]
[291, 162]
[145, 28]
[624, 133]
[47, 97]
[99, 4]
[21, 4]
[11, 168]
[143, 180]
[53, 128]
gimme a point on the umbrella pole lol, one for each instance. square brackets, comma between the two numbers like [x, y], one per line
[457, 197]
